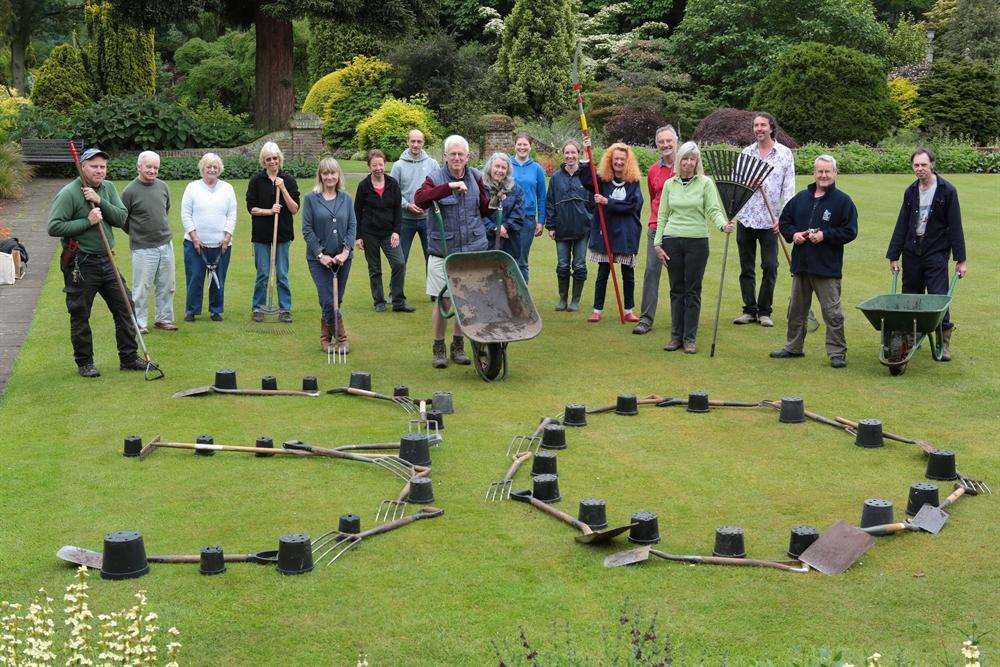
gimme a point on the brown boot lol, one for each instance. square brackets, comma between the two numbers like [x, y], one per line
[342, 336]
[440, 358]
[326, 333]
[946, 351]
[458, 351]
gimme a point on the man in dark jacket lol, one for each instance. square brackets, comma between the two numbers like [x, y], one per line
[819, 221]
[928, 231]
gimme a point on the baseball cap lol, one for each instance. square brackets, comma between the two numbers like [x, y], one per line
[93, 152]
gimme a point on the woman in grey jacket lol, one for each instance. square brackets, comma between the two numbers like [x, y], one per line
[329, 227]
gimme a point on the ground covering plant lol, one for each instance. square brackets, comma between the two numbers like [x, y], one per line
[441, 592]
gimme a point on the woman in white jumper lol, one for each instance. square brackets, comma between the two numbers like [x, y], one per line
[208, 213]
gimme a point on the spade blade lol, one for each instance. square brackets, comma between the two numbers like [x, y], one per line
[197, 391]
[80, 556]
[627, 557]
[599, 536]
[840, 547]
[930, 519]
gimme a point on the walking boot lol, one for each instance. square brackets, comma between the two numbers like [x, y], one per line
[563, 292]
[458, 351]
[440, 359]
[342, 346]
[574, 305]
[326, 333]
[946, 351]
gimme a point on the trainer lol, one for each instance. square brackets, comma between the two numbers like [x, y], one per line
[758, 227]
[820, 221]
[87, 270]
[928, 231]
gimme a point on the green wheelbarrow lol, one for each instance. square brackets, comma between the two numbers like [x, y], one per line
[905, 320]
[491, 303]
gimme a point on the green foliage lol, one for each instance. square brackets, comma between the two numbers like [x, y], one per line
[222, 70]
[893, 157]
[972, 30]
[388, 126]
[828, 93]
[904, 94]
[13, 172]
[892, 11]
[962, 99]
[357, 90]
[62, 84]
[536, 50]
[463, 19]
[332, 44]
[218, 126]
[320, 93]
[10, 107]
[34, 122]
[186, 168]
[907, 43]
[120, 59]
[730, 46]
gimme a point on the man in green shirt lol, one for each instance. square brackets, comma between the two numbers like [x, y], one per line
[147, 200]
[87, 270]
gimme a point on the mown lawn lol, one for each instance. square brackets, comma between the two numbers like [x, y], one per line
[441, 591]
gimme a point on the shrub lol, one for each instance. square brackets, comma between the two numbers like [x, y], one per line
[333, 43]
[186, 168]
[893, 157]
[359, 89]
[62, 84]
[222, 70]
[387, 127]
[218, 126]
[10, 107]
[904, 94]
[33, 122]
[13, 171]
[907, 43]
[120, 58]
[828, 93]
[734, 126]
[633, 126]
[962, 99]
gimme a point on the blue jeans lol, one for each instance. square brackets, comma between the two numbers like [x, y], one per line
[572, 255]
[323, 277]
[195, 271]
[409, 229]
[527, 236]
[262, 260]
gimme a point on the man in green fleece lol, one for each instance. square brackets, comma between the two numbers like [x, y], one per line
[87, 270]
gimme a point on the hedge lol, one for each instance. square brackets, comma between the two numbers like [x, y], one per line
[186, 169]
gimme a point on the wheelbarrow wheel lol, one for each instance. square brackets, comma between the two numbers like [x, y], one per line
[490, 360]
[898, 347]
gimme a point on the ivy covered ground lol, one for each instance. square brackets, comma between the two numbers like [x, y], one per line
[441, 592]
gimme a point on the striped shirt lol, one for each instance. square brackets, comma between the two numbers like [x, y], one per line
[779, 186]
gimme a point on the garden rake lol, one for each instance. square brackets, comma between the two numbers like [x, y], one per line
[335, 352]
[500, 489]
[333, 544]
[737, 175]
[390, 510]
[529, 443]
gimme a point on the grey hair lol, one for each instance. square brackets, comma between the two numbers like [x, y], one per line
[145, 155]
[825, 157]
[508, 181]
[667, 128]
[209, 158]
[328, 164]
[456, 139]
[271, 149]
[689, 147]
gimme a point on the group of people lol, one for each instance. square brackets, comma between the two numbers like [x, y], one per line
[454, 207]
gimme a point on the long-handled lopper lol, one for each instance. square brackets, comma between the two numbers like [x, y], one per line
[153, 371]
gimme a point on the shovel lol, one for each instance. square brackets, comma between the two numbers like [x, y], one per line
[932, 519]
[840, 547]
[643, 553]
[94, 559]
[202, 391]
[587, 534]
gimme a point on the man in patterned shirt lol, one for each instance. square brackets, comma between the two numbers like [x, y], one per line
[758, 226]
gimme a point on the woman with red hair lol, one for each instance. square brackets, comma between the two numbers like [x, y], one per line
[620, 194]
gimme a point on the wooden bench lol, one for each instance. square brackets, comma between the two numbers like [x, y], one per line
[48, 151]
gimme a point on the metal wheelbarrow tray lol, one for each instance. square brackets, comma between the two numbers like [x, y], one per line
[905, 320]
[492, 304]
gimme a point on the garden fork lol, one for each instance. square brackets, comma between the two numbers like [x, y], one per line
[335, 353]
[424, 426]
[529, 443]
[335, 544]
[391, 510]
[500, 489]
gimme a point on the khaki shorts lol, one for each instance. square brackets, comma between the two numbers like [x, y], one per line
[435, 276]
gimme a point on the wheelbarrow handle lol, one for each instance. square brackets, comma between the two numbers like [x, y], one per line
[954, 282]
[895, 280]
[440, 300]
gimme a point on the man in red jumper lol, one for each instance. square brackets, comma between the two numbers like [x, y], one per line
[666, 144]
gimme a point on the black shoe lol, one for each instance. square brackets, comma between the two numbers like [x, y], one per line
[642, 328]
[785, 354]
[285, 317]
[838, 361]
[189, 317]
[216, 317]
[133, 364]
[403, 308]
[379, 307]
[88, 371]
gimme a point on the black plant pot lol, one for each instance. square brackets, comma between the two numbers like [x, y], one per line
[793, 410]
[349, 524]
[310, 383]
[802, 537]
[698, 401]
[124, 556]
[269, 382]
[421, 490]
[921, 493]
[575, 414]
[627, 405]
[546, 488]
[869, 434]
[544, 463]
[876, 512]
[225, 378]
[646, 528]
[414, 448]
[213, 561]
[205, 440]
[554, 437]
[729, 542]
[133, 445]
[263, 442]
[593, 513]
[295, 554]
[361, 380]
[941, 465]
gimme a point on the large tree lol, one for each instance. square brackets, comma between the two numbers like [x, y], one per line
[24, 19]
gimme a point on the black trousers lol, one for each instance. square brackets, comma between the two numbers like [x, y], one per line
[374, 246]
[685, 270]
[89, 276]
[927, 273]
[747, 240]
[601, 285]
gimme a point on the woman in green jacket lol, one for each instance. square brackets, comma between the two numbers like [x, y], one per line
[688, 205]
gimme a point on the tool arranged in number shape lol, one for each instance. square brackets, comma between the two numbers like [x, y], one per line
[587, 534]
[643, 553]
[333, 544]
[94, 559]
[404, 402]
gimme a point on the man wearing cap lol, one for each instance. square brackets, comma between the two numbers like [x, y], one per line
[87, 270]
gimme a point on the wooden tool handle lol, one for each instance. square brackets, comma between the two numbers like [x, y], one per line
[188, 558]
[562, 516]
[887, 529]
[425, 513]
[266, 392]
[719, 560]
[541, 426]
[926, 446]
[733, 404]
[366, 393]
[955, 495]
[324, 451]
[518, 460]
[231, 448]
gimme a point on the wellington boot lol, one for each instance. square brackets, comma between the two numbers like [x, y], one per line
[325, 335]
[341, 341]
[563, 292]
[574, 305]
[946, 352]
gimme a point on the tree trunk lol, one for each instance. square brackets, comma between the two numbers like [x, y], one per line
[274, 100]
[17, 49]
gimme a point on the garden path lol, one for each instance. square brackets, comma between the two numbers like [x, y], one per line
[27, 219]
